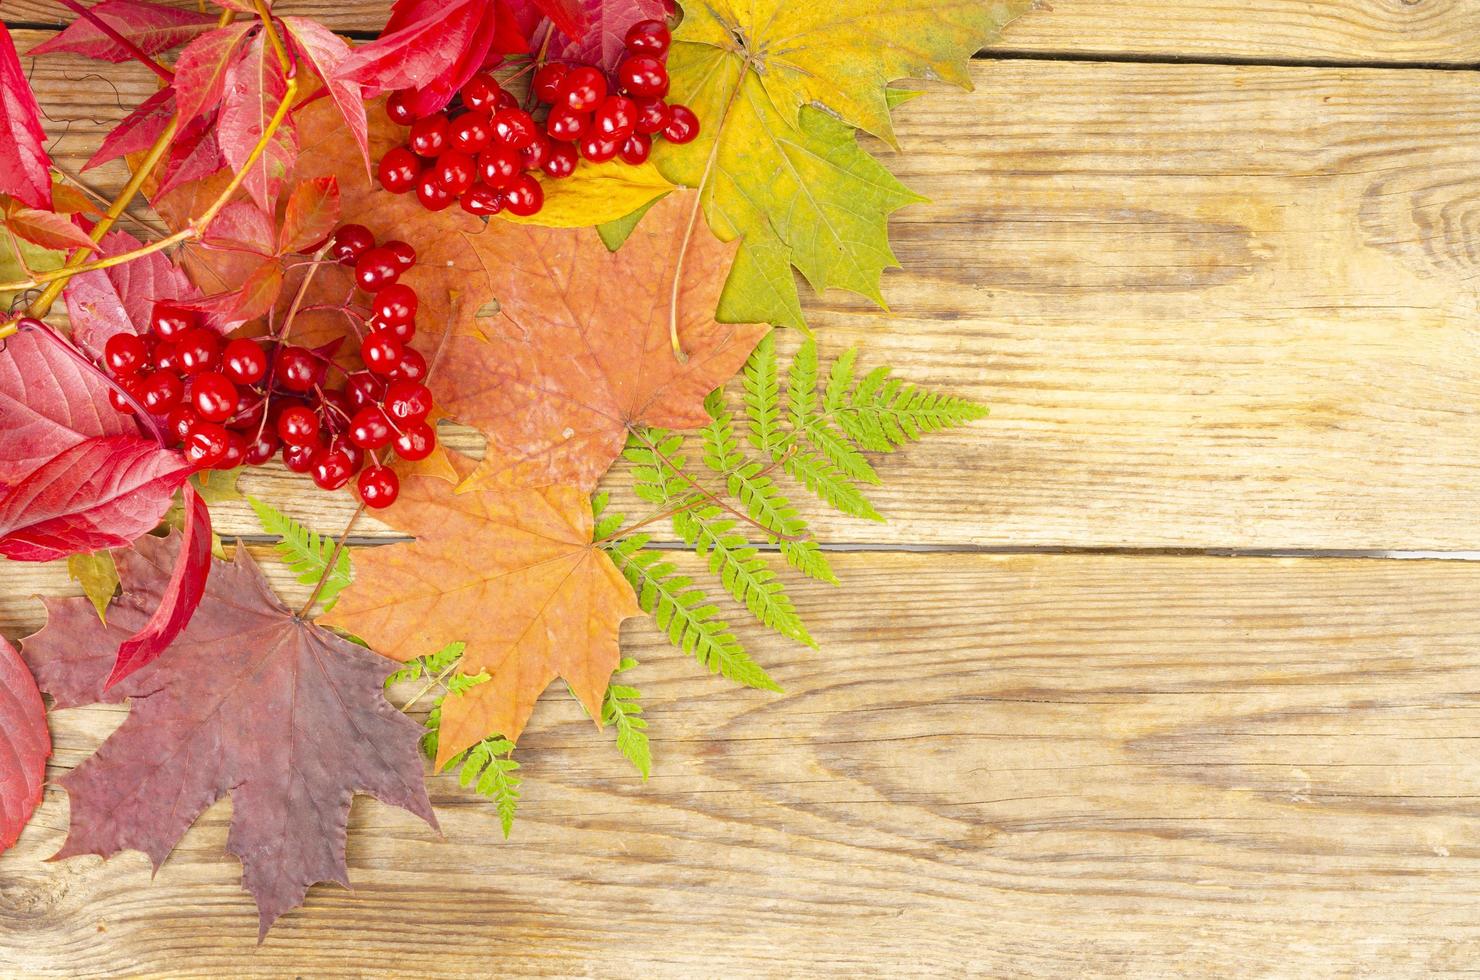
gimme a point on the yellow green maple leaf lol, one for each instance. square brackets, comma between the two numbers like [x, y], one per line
[779, 87]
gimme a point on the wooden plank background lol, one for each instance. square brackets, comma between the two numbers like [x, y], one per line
[1216, 307]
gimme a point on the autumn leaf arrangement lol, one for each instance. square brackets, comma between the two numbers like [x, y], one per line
[569, 225]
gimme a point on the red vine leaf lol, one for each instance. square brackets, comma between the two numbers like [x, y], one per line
[250, 701]
[311, 214]
[153, 27]
[180, 598]
[325, 51]
[203, 67]
[25, 745]
[434, 47]
[46, 228]
[48, 403]
[515, 576]
[256, 86]
[24, 166]
[138, 130]
[120, 298]
[603, 42]
[579, 351]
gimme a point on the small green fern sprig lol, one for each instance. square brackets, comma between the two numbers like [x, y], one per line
[307, 553]
[819, 439]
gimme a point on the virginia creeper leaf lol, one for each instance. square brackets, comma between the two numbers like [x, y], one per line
[48, 403]
[256, 86]
[25, 172]
[138, 130]
[154, 27]
[324, 51]
[603, 42]
[46, 228]
[512, 574]
[250, 701]
[203, 67]
[120, 298]
[25, 745]
[311, 214]
[180, 598]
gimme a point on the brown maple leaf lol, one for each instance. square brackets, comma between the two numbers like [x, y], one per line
[578, 352]
[514, 575]
[287, 718]
[540, 337]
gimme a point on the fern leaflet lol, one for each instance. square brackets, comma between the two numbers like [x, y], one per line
[685, 614]
[306, 553]
[622, 710]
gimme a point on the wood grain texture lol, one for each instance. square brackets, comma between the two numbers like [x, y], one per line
[1210, 307]
[1045, 765]
[1397, 31]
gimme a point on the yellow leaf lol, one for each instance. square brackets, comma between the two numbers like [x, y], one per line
[98, 576]
[596, 194]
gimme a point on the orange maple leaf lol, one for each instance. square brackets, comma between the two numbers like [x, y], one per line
[511, 573]
[578, 352]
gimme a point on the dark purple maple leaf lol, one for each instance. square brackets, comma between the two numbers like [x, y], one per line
[251, 701]
[153, 27]
[25, 745]
[24, 166]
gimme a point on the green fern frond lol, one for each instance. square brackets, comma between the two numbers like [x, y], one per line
[801, 384]
[818, 474]
[432, 665]
[741, 569]
[839, 380]
[659, 464]
[487, 767]
[604, 524]
[763, 395]
[883, 414]
[685, 614]
[760, 495]
[306, 553]
[621, 709]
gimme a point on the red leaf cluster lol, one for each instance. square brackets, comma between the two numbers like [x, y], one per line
[602, 42]
[250, 701]
[434, 47]
[25, 745]
[24, 165]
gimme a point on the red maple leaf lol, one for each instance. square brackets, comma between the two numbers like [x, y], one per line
[25, 745]
[251, 701]
[24, 166]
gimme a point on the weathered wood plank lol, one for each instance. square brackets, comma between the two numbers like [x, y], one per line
[1433, 31]
[995, 766]
[1210, 307]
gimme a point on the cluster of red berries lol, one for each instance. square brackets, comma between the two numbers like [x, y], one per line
[482, 151]
[240, 402]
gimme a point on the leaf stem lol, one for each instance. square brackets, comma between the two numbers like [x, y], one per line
[688, 233]
[434, 683]
[333, 560]
[272, 37]
[193, 229]
[138, 53]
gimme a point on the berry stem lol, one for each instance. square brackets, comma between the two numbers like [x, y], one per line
[133, 49]
[435, 682]
[333, 560]
[688, 235]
